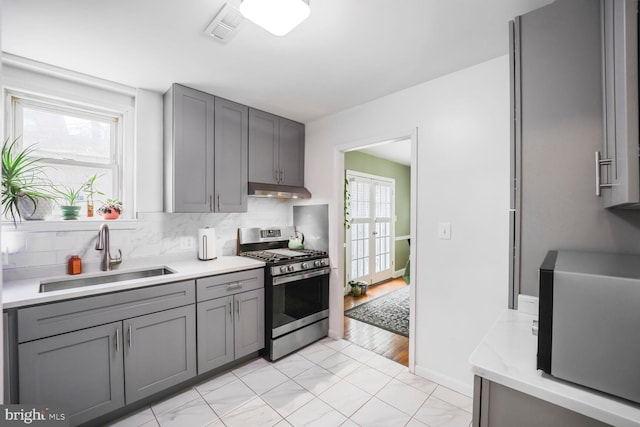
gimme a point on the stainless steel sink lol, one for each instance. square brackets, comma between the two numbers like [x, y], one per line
[108, 277]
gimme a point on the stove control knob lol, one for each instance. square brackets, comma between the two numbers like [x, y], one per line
[291, 268]
[318, 263]
[283, 269]
[304, 265]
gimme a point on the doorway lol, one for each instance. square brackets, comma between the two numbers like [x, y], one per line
[371, 231]
[378, 204]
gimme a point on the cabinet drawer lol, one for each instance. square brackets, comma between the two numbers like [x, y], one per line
[229, 284]
[56, 318]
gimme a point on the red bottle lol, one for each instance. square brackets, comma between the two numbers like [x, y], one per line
[74, 266]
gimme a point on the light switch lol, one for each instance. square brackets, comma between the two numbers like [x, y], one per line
[444, 231]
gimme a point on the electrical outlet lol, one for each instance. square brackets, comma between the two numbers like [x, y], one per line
[444, 231]
[187, 242]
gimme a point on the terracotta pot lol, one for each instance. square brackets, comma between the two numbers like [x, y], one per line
[110, 215]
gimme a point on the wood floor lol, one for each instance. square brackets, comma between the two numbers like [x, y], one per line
[384, 343]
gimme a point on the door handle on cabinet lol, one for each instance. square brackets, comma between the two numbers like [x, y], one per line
[238, 308]
[218, 203]
[599, 163]
[211, 202]
[281, 176]
[117, 340]
[230, 311]
[130, 337]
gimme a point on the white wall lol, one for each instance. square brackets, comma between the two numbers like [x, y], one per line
[462, 166]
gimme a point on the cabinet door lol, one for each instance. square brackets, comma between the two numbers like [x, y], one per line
[160, 351]
[231, 156]
[291, 152]
[620, 41]
[215, 333]
[263, 147]
[80, 371]
[192, 150]
[249, 322]
[498, 406]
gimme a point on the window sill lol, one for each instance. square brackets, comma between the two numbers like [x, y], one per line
[71, 225]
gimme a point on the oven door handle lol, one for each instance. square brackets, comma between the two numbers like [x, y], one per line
[294, 277]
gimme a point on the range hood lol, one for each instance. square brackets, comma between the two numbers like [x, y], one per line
[259, 189]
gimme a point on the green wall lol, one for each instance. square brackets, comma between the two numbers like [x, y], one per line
[361, 162]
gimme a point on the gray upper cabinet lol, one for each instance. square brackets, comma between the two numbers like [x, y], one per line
[276, 149]
[291, 152]
[231, 151]
[189, 150]
[618, 166]
[206, 144]
[80, 371]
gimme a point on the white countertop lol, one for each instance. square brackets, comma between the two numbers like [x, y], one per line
[507, 356]
[18, 293]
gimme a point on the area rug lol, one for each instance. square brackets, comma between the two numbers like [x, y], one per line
[390, 312]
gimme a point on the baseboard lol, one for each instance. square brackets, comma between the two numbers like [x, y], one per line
[398, 273]
[444, 380]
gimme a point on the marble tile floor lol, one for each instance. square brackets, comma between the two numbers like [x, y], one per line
[329, 383]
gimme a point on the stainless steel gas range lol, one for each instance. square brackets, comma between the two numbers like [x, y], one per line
[296, 289]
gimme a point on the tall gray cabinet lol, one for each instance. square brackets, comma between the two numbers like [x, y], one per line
[557, 127]
[276, 149]
[206, 144]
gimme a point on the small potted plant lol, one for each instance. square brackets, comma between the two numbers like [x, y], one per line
[26, 190]
[111, 209]
[90, 191]
[71, 196]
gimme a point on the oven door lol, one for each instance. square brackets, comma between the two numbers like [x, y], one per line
[298, 300]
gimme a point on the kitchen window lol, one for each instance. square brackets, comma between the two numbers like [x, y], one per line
[74, 142]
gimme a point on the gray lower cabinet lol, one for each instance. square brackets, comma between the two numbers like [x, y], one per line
[160, 351]
[495, 405]
[80, 372]
[215, 333]
[93, 355]
[249, 323]
[230, 311]
[276, 149]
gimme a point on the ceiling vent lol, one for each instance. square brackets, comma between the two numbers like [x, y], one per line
[224, 25]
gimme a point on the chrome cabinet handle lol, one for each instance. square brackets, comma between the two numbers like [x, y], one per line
[275, 175]
[117, 340]
[599, 163]
[218, 203]
[281, 176]
[284, 175]
[211, 202]
[238, 307]
[234, 286]
[230, 311]
[130, 337]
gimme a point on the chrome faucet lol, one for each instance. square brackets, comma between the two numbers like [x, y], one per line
[103, 245]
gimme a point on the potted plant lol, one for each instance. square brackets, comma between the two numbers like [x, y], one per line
[91, 192]
[25, 186]
[71, 196]
[111, 209]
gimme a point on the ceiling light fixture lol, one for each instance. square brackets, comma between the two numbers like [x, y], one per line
[276, 16]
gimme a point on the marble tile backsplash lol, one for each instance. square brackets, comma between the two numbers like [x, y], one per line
[154, 234]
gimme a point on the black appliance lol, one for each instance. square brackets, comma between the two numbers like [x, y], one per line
[588, 320]
[296, 289]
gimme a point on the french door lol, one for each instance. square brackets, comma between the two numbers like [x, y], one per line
[370, 237]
